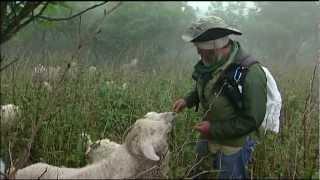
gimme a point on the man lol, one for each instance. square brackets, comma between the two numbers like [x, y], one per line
[231, 113]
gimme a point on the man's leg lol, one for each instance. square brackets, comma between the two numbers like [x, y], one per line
[235, 165]
[202, 155]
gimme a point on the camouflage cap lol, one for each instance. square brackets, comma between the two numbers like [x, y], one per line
[208, 28]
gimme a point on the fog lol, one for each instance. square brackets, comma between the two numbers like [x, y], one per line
[114, 63]
[277, 33]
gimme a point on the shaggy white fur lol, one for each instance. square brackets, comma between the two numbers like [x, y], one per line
[103, 148]
[144, 147]
[100, 149]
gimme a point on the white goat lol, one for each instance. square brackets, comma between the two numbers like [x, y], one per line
[92, 69]
[73, 71]
[100, 149]
[103, 148]
[144, 146]
[52, 74]
[47, 86]
[130, 66]
[9, 115]
[43, 74]
[92, 72]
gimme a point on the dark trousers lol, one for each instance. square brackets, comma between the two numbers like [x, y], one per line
[233, 166]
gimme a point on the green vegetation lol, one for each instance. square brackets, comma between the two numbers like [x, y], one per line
[53, 121]
[107, 110]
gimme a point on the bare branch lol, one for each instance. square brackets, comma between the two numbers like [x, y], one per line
[6, 66]
[72, 16]
[184, 144]
[203, 172]
[7, 33]
[306, 115]
[114, 8]
[92, 31]
[146, 171]
[195, 165]
[15, 29]
[10, 155]
[3, 14]
[26, 10]
[35, 129]
[44, 172]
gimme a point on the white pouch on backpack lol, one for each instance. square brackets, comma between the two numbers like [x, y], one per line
[273, 107]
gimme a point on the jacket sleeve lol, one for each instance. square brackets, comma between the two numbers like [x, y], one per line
[241, 123]
[192, 97]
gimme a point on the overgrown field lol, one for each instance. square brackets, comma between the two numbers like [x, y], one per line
[52, 122]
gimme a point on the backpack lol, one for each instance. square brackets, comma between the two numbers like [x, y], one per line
[235, 75]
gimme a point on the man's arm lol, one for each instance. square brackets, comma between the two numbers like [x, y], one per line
[192, 97]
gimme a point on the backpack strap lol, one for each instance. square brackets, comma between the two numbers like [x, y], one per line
[235, 76]
[242, 69]
[248, 61]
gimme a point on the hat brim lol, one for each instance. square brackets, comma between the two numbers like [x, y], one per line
[214, 33]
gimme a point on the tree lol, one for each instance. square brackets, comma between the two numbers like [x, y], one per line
[143, 29]
[16, 15]
[155, 28]
[287, 29]
[276, 31]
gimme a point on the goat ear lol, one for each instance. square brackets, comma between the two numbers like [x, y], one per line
[149, 152]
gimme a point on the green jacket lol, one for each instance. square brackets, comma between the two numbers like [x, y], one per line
[229, 125]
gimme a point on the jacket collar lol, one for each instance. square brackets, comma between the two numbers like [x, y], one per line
[241, 54]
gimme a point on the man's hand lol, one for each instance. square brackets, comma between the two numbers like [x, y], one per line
[179, 105]
[204, 128]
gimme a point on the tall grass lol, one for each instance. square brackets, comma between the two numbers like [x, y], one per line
[51, 122]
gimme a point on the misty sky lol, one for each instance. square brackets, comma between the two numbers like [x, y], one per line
[203, 5]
